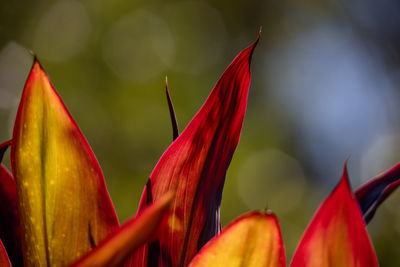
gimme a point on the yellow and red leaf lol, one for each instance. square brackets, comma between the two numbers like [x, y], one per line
[371, 195]
[116, 248]
[64, 206]
[252, 240]
[337, 235]
[195, 165]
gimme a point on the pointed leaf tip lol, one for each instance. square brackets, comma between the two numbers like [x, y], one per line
[372, 194]
[58, 179]
[337, 234]
[253, 240]
[175, 129]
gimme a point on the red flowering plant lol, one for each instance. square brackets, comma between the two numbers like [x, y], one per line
[56, 211]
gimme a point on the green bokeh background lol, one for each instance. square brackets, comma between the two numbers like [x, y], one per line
[108, 60]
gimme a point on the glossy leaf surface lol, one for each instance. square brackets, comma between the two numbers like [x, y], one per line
[63, 202]
[336, 236]
[252, 240]
[4, 261]
[371, 195]
[195, 165]
[135, 233]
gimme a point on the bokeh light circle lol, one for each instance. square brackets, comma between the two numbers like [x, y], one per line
[62, 32]
[137, 46]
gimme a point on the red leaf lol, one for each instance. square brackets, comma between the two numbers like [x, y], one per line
[252, 240]
[371, 195]
[4, 260]
[336, 236]
[195, 165]
[10, 232]
[64, 205]
[117, 247]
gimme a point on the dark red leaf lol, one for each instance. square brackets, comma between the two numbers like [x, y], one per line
[371, 195]
[10, 232]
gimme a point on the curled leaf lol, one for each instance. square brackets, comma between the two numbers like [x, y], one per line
[371, 195]
[63, 202]
[252, 240]
[136, 232]
[336, 236]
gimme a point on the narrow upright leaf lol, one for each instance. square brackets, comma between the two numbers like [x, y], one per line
[337, 235]
[371, 195]
[195, 165]
[175, 129]
[10, 232]
[252, 240]
[4, 260]
[64, 205]
[116, 248]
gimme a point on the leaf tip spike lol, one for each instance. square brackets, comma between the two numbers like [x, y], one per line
[175, 129]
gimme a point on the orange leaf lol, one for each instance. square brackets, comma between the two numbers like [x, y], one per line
[64, 205]
[252, 240]
[136, 232]
[337, 235]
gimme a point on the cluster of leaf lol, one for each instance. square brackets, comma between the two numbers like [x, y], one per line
[55, 209]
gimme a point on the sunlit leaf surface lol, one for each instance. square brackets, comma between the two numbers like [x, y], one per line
[195, 166]
[336, 236]
[252, 240]
[64, 205]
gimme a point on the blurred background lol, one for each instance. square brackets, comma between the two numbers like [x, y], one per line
[325, 87]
